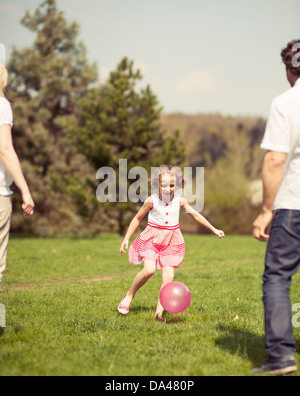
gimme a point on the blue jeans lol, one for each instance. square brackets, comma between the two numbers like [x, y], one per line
[282, 262]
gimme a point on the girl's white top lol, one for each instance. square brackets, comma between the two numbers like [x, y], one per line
[6, 118]
[165, 214]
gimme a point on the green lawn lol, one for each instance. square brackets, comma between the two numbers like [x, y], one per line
[61, 297]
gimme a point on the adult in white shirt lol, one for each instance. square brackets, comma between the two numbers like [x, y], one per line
[10, 171]
[281, 180]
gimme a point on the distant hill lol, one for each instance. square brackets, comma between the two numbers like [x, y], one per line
[205, 134]
[229, 149]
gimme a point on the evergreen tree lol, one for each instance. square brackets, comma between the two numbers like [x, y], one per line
[119, 122]
[47, 81]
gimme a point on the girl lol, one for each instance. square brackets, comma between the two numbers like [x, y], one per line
[161, 244]
[10, 170]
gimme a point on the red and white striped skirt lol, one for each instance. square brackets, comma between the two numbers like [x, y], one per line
[164, 246]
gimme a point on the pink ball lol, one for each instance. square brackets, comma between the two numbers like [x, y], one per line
[175, 297]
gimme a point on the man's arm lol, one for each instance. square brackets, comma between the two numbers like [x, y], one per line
[272, 174]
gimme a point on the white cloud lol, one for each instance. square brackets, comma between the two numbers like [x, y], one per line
[199, 80]
[189, 93]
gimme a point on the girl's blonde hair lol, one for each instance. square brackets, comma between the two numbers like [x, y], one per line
[167, 170]
[3, 79]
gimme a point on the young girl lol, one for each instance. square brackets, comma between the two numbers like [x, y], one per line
[161, 244]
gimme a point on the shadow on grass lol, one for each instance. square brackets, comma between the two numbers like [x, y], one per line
[142, 308]
[247, 345]
[176, 319]
[2, 330]
[167, 320]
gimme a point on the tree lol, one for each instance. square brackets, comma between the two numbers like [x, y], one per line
[119, 122]
[47, 81]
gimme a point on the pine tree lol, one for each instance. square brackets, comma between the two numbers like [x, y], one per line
[119, 122]
[47, 81]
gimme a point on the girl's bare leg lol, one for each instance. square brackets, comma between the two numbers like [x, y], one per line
[167, 277]
[139, 281]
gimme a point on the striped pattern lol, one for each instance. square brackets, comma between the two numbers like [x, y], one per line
[165, 247]
[170, 228]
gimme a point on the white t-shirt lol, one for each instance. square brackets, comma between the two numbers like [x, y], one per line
[283, 135]
[6, 118]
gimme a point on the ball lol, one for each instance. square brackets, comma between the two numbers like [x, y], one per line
[175, 297]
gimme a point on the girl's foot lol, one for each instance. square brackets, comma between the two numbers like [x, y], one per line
[159, 317]
[124, 305]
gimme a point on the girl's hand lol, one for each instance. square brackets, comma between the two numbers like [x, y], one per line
[219, 233]
[124, 245]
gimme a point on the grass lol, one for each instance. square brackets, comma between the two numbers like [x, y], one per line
[61, 318]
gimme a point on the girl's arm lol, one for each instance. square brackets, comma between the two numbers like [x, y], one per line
[200, 219]
[135, 223]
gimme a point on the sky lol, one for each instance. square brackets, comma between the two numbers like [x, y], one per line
[199, 56]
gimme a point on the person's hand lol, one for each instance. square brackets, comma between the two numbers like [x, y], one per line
[219, 233]
[261, 224]
[124, 245]
[28, 204]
